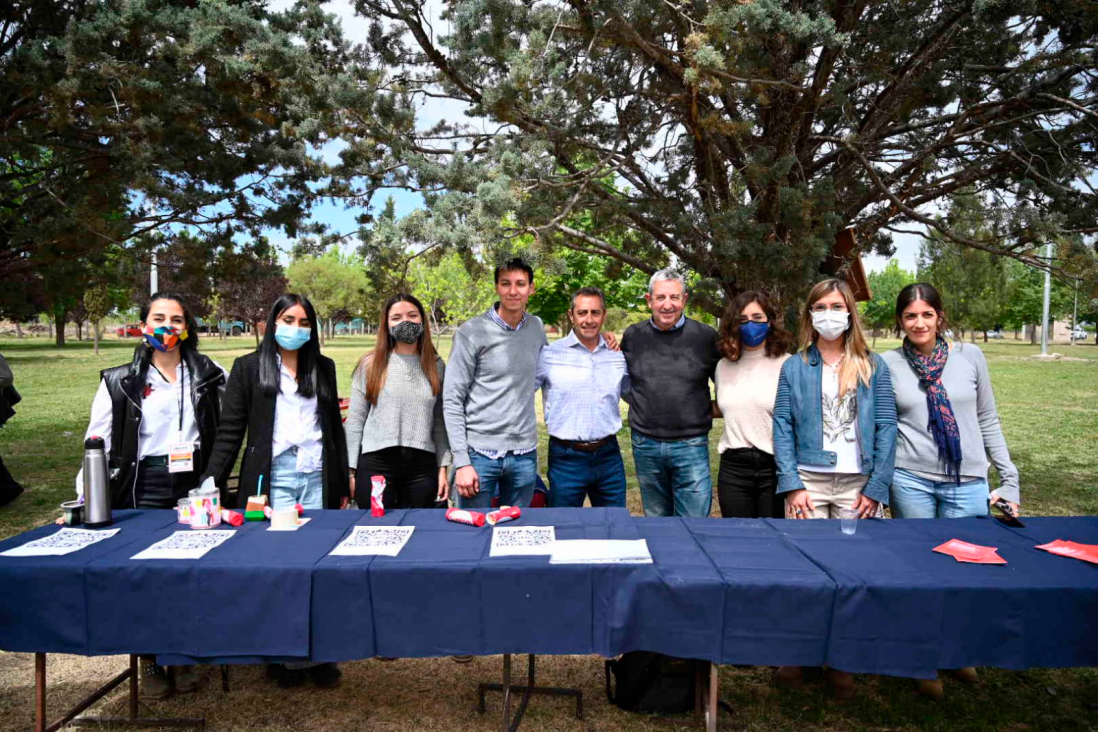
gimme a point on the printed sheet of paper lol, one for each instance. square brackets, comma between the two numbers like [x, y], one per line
[601, 551]
[962, 550]
[522, 541]
[364, 541]
[187, 544]
[65, 541]
[1073, 549]
[300, 522]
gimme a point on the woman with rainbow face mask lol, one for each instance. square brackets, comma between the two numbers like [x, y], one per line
[157, 410]
[158, 417]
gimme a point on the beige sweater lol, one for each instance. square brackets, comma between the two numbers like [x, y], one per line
[745, 394]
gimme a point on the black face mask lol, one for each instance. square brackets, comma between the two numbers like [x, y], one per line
[406, 331]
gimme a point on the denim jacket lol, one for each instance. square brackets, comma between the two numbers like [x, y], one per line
[798, 424]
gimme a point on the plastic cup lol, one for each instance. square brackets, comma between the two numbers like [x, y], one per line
[849, 520]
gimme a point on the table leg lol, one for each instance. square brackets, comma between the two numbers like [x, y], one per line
[133, 686]
[507, 723]
[40, 692]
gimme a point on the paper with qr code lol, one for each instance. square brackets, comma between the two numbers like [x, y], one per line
[364, 541]
[522, 541]
[65, 541]
[189, 544]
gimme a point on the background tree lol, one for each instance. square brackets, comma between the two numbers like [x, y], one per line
[879, 313]
[451, 289]
[97, 303]
[248, 284]
[737, 137]
[624, 288]
[334, 282]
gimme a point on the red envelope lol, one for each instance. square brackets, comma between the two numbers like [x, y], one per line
[962, 551]
[992, 558]
[1072, 549]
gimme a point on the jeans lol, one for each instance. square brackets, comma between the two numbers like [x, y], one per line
[289, 486]
[746, 483]
[915, 497]
[673, 475]
[411, 477]
[513, 476]
[574, 474]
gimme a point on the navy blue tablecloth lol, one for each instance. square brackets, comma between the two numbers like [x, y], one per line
[731, 591]
[902, 609]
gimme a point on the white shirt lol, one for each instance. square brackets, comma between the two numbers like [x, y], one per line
[297, 424]
[746, 390]
[159, 416]
[840, 426]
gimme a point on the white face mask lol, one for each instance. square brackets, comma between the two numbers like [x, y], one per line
[830, 324]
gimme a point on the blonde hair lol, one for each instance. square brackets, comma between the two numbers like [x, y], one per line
[857, 360]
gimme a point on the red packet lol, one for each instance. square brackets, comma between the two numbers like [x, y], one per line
[992, 558]
[1075, 550]
[962, 551]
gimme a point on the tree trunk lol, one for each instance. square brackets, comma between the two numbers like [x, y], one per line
[95, 335]
[985, 336]
[1033, 335]
[79, 330]
[59, 324]
[18, 330]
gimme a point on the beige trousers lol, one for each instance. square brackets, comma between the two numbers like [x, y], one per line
[831, 491]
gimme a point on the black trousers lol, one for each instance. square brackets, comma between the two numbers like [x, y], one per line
[411, 477]
[9, 486]
[157, 488]
[746, 483]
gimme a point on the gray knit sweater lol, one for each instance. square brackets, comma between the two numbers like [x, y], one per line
[968, 384]
[407, 414]
[489, 396]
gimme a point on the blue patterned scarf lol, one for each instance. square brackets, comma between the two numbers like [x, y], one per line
[942, 424]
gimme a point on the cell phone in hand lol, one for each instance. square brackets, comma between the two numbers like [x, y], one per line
[1008, 516]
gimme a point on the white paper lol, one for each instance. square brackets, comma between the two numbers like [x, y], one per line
[65, 541]
[187, 544]
[522, 541]
[364, 541]
[300, 522]
[601, 551]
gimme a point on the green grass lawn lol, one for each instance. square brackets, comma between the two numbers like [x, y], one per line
[1050, 417]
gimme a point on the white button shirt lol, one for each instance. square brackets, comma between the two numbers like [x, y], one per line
[297, 424]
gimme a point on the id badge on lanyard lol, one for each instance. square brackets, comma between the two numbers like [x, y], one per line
[181, 451]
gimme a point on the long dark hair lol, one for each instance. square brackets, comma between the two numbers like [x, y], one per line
[778, 338]
[309, 383]
[928, 294]
[376, 362]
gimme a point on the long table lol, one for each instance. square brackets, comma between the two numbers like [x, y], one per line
[729, 591]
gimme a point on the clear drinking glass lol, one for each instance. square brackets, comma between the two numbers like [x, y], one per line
[849, 519]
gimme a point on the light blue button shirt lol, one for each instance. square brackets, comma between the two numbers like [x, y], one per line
[580, 389]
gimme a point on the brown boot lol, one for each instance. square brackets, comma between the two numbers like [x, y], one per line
[841, 683]
[155, 683]
[967, 674]
[788, 676]
[930, 688]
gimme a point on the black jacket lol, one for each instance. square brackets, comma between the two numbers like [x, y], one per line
[248, 409]
[9, 397]
[125, 386]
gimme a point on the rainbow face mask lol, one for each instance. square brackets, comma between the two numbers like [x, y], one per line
[165, 337]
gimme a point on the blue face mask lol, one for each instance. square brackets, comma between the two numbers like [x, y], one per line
[291, 337]
[752, 333]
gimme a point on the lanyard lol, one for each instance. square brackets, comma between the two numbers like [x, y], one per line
[182, 391]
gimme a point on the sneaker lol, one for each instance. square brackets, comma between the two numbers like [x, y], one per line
[462, 659]
[186, 678]
[291, 678]
[326, 675]
[155, 683]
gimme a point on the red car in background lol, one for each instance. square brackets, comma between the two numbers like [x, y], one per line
[132, 330]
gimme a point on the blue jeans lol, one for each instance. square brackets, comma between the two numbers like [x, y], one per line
[915, 497]
[513, 476]
[574, 474]
[673, 475]
[289, 486]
